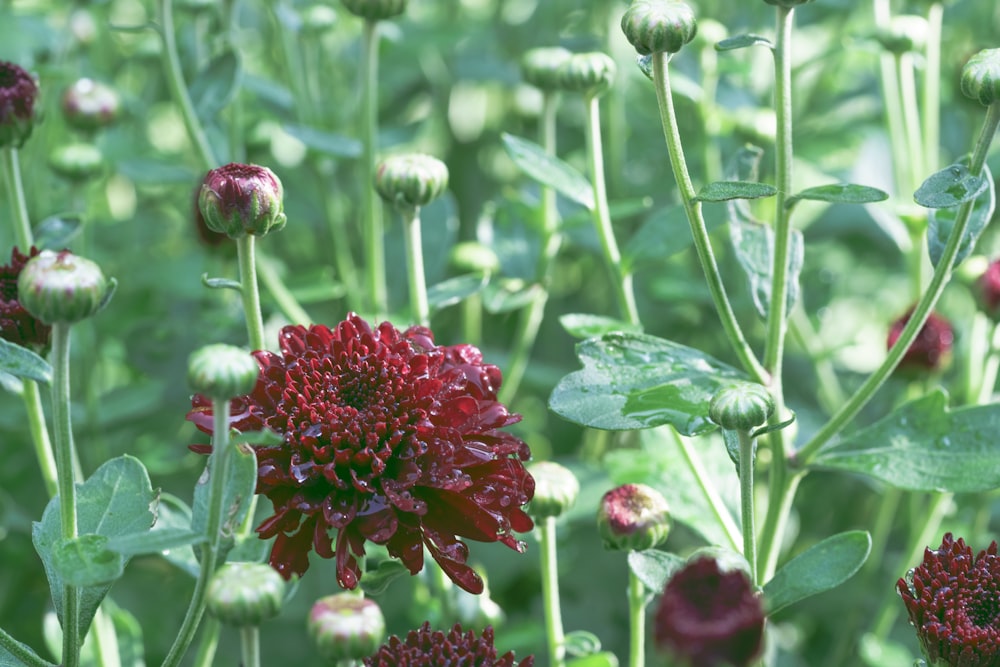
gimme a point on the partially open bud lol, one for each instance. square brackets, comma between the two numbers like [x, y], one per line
[473, 257]
[589, 73]
[375, 10]
[346, 627]
[556, 489]
[540, 67]
[931, 349]
[989, 290]
[659, 26]
[981, 76]
[243, 594]
[77, 161]
[411, 181]
[633, 517]
[88, 104]
[62, 287]
[222, 371]
[905, 33]
[18, 93]
[741, 406]
[241, 199]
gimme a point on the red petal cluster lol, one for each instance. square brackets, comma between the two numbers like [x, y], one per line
[18, 92]
[17, 325]
[931, 349]
[953, 599]
[426, 648]
[387, 437]
[989, 289]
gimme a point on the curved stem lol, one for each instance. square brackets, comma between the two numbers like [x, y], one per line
[550, 592]
[40, 436]
[747, 454]
[250, 292]
[372, 213]
[209, 643]
[19, 207]
[21, 652]
[637, 621]
[699, 232]
[286, 301]
[420, 310]
[708, 490]
[250, 646]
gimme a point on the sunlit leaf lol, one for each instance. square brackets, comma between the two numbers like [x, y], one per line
[23, 363]
[582, 325]
[549, 170]
[839, 193]
[742, 42]
[726, 190]
[951, 186]
[821, 567]
[654, 568]
[941, 221]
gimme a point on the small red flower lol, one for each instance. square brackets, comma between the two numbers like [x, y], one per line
[17, 325]
[18, 92]
[426, 648]
[387, 437]
[931, 349]
[953, 600]
[989, 289]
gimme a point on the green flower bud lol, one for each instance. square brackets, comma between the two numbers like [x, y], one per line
[77, 161]
[375, 10]
[540, 67]
[904, 34]
[474, 257]
[633, 517]
[659, 26]
[245, 593]
[981, 76]
[346, 627]
[222, 371]
[240, 199]
[589, 73]
[711, 32]
[787, 3]
[556, 489]
[741, 407]
[88, 104]
[18, 94]
[318, 18]
[411, 181]
[62, 287]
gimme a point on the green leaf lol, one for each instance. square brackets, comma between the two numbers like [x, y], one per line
[949, 187]
[265, 438]
[504, 296]
[821, 567]
[581, 325]
[581, 643]
[114, 501]
[56, 231]
[665, 233]
[216, 84]
[633, 381]
[374, 582]
[840, 193]
[9, 659]
[941, 221]
[23, 363]
[154, 541]
[241, 482]
[727, 190]
[549, 170]
[654, 568]
[128, 632]
[742, 42]
[324, 142]
[86, 561]
[924, 446]
[754, 245]
[173, 514]
[602, 659]
[449, 292]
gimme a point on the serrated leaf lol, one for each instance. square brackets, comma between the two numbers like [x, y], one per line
[581, 643]
[720, 191]
[941, 221]
[924, 446]
[952, 186]
[840, 193]
[86, 561]
[454, 290]
[742, 42]
[56, 231]
[549, 170]
[154, 541]
[23, 363]
[241, 482]
[821, 567]
[754, 246]
[336, 145]
[582, 325]
[633, 381]
[216, 84]
[654, 568]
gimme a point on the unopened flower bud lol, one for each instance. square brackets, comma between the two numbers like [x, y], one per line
[931, 349]
[556, 489]
[905, 33]
[241, 199]
[318, 18]
[222, 371]
[540, 67]
[989, 290]
[589, 73]
[77, 161]
[375, 10]
[62, 287]
[411, 181]
[473, 257]
[741, 406]
[88, 104]
[17, 325]
[633, 517]
[346, 627]
[243, 594]
[18, 93]
[659, 26]
[981, 76]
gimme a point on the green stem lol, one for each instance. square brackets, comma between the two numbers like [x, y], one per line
[209, 643]
[637, 620]
[237, 151]
[703, 246]
[942, 274]
[911, 117]
[932, 88]
[420, 309]
[250, 291]
[40, 436]
[829, 390]
[747, 455]
[21, 652]
[472, 331]
[990, 368]
[550, 592]
[621, 281]
[287, 303]
[372, 213]
[781, 488]
[708, 490]
[19, 207]
[250, 646]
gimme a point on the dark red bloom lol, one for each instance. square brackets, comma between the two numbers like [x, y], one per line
[17, 325]
[387, 437]
[426, 648]
[953, 600]
[710, 618]
[989, 289]
[18, 93]
[931, 349]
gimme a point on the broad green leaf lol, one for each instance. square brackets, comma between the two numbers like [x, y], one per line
[632, 381]
[665, 233]
[56, 231]
[86, 561]
[743, 41]
[654, 568]
[154, 541]
[324, 142]
[581, 643]
[924, 446]
[241, 482]
[549, 170]
[9, 659]
[215, 85]
[754, 245]
[949, 187]
[720, 191]
[582, 325]
[819, 568]
[840, 193]
[173, 514]
[23, 363]
[602, 659]
[941, 221]
[454, 290]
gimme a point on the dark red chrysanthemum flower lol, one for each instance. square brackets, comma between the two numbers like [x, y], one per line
[18, 93]
[710, 618]
[989, 289]
[931, 349]
[17, 325]
[387, 437]
[953, 600]
[432, 648]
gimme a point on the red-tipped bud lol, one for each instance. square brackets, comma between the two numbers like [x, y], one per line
[931, 349]
[18, 93]
[62, 287]
[241, 199]
[88, 104]
[633, 517]
[989, 290]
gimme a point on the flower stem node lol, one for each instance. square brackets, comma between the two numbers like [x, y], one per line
[375, 10]
[222, 371]
[63, 287]
[242, 199]
[411, 181]
[589, 73]
[346, 627]
[981, 77]
[88, 105]
[77, 161]
[473, 257]
[243, 594]
[540, 67]
[905, 33]
[659, 26]
[633, 517]
[556, 489]
[741, 406]
[18, 93]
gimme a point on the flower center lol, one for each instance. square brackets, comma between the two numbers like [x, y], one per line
[984, 610]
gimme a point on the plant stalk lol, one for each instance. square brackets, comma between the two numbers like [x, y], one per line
[420, 309]
[19, 206]
[748, 452]
[371, 214]
[250, 646]
[250, 292]
[550, 592]
[637, 620]
[709, 491]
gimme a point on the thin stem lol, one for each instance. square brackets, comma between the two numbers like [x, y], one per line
[747, 455]
[911, 116]
[781, 493]
[19, 207]
[703, 246]
[209, 643]
[420, 309]
[371, 213]
[21, 652]
[990, 368]
[40, 436]
[932, 88]
[622, 281]
[550, 592]
[250, 291]
[250, 646]
[709, 491]
[637, 621]
[287, 303]
[829, 390]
